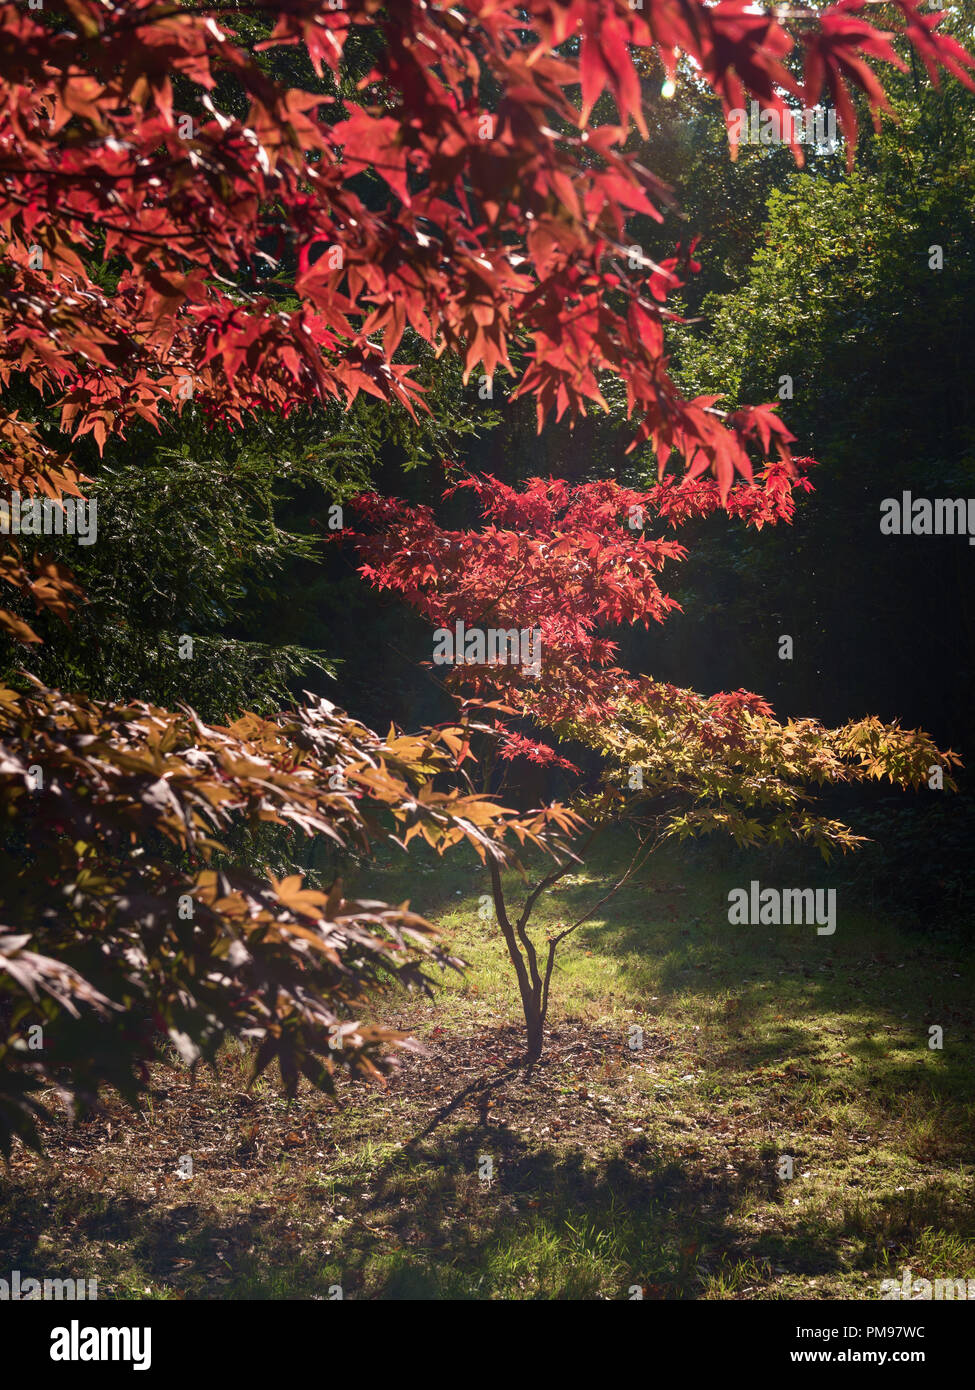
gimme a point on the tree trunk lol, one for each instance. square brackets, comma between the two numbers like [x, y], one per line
[534, 1030]
[530, 984]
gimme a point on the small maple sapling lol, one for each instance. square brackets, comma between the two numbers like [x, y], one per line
[575, 562]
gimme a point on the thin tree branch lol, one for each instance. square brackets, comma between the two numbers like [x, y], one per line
[639, 858]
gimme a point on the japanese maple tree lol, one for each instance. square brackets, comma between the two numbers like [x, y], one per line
[573, 563]
[180, 222]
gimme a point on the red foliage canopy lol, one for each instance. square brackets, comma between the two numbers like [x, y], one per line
[179, 221]
[145, 133]
[568, 560]
[573, 561]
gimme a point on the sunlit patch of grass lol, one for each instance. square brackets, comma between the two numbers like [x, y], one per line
[759, 1043]
[737, 1278]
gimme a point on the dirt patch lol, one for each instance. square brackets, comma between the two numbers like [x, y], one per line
[570, 1095]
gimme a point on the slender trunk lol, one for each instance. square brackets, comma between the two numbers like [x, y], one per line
[533, 984]
[530, 984]
[534, 1031]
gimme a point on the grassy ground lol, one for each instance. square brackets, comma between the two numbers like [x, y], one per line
[613, 1169]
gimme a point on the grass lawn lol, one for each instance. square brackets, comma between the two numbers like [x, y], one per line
[613, 1168]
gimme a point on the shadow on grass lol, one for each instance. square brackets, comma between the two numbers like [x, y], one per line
[850, 1012]
[552, 1224]
[765, 995]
